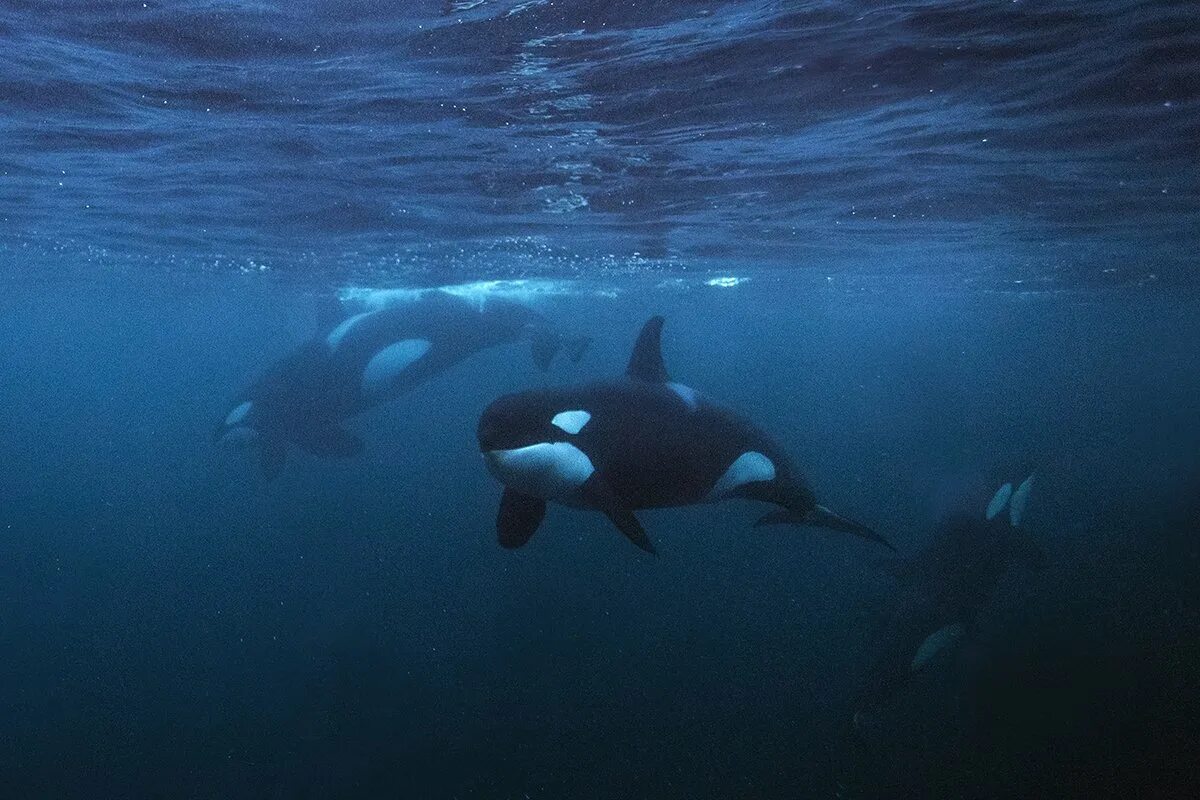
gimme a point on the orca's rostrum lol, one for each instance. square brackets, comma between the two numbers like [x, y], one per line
[637, 442]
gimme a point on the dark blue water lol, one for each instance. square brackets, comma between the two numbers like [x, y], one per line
[923, 244]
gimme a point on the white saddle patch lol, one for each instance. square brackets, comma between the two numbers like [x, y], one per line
[238, 414]
[571, 421]
[389, 362]
[551, 470]
[337, 334]
[1016, 509]
[750, 467]
[687, 394]
[999, 501]
[935, 643]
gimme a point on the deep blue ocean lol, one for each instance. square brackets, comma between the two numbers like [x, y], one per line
[930, 247]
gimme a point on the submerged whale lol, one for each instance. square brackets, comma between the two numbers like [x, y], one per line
[637, 442]
[369, 358]
[943, 589]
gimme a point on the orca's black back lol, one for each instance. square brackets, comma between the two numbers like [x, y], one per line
[655, 449]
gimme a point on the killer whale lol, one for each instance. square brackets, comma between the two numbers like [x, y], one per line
[638, 442]
[367, 358]
[943, 590]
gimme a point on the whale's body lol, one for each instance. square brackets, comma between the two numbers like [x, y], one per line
[632, 443]
[370, 358]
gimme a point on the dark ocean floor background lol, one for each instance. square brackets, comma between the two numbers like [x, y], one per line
[174, 629]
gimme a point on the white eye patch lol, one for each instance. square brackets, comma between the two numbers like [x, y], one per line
[238, 414]
[749, 467]
[999, 501]
[571, 421]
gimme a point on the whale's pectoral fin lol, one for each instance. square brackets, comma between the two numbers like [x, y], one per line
[271, 456]
[519, 517]
[628, 524]
[821, 517]
[599, 495]
[329, 441]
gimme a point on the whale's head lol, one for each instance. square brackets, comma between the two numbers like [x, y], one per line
[531, 442]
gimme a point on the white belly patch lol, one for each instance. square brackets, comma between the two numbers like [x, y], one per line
[388, 363]
[551, 470]
[337, 334]
[750, 467]
[571, 421]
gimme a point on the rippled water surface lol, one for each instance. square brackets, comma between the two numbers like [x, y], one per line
[1045, 140]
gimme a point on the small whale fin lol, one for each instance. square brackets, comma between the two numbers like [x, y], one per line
[599, 495]
[518, 519]
[271, 457]
[329, 441]
[821, 517]
[646, 363]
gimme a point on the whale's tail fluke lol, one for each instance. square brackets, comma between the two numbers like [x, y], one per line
[821, 517]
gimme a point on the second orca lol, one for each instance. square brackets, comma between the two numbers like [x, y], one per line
[638, 442]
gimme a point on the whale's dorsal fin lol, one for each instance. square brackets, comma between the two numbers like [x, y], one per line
[646, 363]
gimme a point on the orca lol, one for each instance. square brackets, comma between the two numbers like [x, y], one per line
[638, 442]
[943, 589]
[368, 358]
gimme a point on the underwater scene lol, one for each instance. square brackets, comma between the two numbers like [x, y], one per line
[614, 399]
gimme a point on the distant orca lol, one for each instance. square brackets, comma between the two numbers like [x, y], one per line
[943, 590]
[634, 443]
[369, 358]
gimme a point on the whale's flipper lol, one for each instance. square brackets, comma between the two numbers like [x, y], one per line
[821, 517]
[519, 518]
[327, 440]
[599, 495]
[271, 456]
[646, 363]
